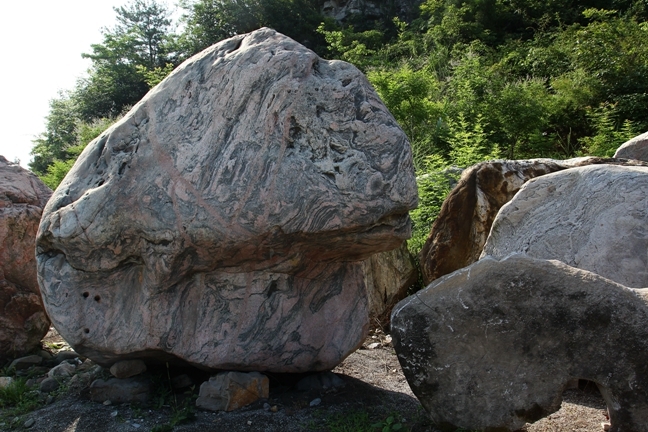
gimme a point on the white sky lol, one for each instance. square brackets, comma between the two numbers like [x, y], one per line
[41, 42]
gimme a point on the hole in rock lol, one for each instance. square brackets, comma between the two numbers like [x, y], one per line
[97, 298]
[86, 330]
[86, 294]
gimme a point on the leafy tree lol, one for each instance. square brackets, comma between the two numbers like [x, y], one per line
[60, 134]
[140, 44]
[209, 21]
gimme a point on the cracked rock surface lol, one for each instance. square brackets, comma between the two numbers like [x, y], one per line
[492, 346]
[23, 321]
[223, 222]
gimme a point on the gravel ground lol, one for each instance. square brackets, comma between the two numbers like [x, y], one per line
[375, 389]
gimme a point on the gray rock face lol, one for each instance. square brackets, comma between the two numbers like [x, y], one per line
[458, 235]
[636, 148]
[593, 218]
[492, 346]
[23, 321]
[224, 220]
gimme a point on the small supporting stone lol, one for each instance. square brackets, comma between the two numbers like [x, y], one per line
[228, 391]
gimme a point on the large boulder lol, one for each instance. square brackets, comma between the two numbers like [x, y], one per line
[594, 218]
[23, 321]
[224, 220]
[458, 235]
[636, 148]
[492, 346]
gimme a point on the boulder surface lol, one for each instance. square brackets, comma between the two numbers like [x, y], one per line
[224, 220]
[594, 218]
[388, 276]
[492, 346]
[636, 148]
[459, 233]
[23, 321]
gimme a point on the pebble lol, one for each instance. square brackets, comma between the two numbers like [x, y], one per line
[137, 425]
[274, 408]
[374, 345]
[315, 402]
[29, 423]
[107, 402]
[266, 406]
[114, 413]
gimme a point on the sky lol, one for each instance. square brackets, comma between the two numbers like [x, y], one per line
[41, 42]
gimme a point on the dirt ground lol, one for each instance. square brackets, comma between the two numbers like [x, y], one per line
[375, 393]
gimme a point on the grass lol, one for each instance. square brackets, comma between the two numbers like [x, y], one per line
[17, 399]
[355, 421]
[182, 411]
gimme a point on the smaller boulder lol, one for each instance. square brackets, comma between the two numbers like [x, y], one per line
[23, 363]
[127, 368]
[229, 391]
[636, 148]
[64, 370]
[49, 384]
[5, 382]
[121, 390]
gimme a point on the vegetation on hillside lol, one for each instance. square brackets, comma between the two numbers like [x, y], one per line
[468, 80]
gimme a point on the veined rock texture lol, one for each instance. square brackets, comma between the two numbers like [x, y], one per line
[224, 220]
[23, 321]
[458, 235]
[594, 218]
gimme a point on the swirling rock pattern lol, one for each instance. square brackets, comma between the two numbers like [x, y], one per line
[493, 345]
[23, 321]
[224, 220]
[594, 218]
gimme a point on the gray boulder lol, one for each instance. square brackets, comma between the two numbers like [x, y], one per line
[493, 346]
[593, 218]
[459, 233]
[224, 220]
[636, 148]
